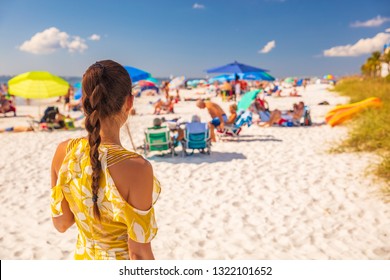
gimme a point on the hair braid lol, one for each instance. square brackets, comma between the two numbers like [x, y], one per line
[91, 105]
[99, 104]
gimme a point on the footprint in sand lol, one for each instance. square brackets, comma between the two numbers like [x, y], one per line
[383, 252]
[199, 254]
[219, 193]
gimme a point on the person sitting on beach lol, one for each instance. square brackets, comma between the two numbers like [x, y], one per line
[217, 114]
[261, 107]
[112, 191]
[167, 106]
[294, 92]
[177, 132]
[5, 104]
[284, 117]
[233, 114]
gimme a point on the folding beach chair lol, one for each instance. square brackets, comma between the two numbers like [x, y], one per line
[243, 118]
[158, 139]
[306, 118]
[196, 137]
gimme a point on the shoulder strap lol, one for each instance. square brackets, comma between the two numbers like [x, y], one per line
[72, 143]
[117, 154]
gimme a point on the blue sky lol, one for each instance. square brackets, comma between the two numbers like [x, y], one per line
[181, 37]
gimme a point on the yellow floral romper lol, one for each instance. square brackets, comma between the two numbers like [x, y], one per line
[107, 238]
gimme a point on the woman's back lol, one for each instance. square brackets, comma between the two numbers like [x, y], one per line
[105, 237]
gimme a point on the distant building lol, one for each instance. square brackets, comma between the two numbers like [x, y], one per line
[385, 67]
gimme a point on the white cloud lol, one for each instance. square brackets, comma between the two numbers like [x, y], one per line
[387, 30]
[94, 37]
[268, 47]
[52, 39]
[77, 45]
[363, 46]
[374, 22]
[198, 6]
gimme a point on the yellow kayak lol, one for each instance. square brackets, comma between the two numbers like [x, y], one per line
[341, 113]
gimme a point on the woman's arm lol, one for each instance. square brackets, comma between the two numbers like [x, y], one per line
[65, 221]
[231, 119]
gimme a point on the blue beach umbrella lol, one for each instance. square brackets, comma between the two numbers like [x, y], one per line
[77, 85]
[137, 74]
[235, 67]
[256, 76]
[78, 93]
[220, 78]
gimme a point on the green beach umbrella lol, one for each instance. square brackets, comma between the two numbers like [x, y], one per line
[289, 80]
[153, 80]
[37, 84]
[247, 99]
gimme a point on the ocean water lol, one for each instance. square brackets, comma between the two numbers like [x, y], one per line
[71, 80]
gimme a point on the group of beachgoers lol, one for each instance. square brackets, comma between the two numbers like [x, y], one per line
[127, 232]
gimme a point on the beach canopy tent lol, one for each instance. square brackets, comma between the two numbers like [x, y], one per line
[137, 74]
[37, 84]
[235, 67]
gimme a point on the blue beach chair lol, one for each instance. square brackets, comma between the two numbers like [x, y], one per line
[196, 137]
[243, 118]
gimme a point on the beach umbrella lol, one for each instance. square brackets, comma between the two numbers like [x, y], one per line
[221, 78]
[77, 85]
[146, 83]
[256, 76]
[78, 93]
[37, 84]
[235, 67]
[136, 74]
[329, 77]
[289, 80]
[177, 82]
[153, 80]
[247, 99]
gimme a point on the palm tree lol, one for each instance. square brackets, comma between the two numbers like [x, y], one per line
[372, 65]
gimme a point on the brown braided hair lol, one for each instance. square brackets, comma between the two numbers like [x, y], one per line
[105, 86]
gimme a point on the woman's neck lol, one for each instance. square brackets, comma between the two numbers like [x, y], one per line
[110, 133]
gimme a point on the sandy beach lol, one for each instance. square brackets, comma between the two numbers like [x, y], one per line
[277, 193]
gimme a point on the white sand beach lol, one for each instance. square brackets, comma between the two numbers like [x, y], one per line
[276, 194]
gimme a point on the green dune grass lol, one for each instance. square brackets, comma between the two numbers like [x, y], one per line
[370, 130]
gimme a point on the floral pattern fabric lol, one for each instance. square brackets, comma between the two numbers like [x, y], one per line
[107, 238]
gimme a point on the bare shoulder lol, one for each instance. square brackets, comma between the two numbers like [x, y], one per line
[138, 164]
[134, 179]
[59, 154]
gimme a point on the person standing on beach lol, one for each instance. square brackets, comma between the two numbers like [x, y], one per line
[217, 114]
[107, 191]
